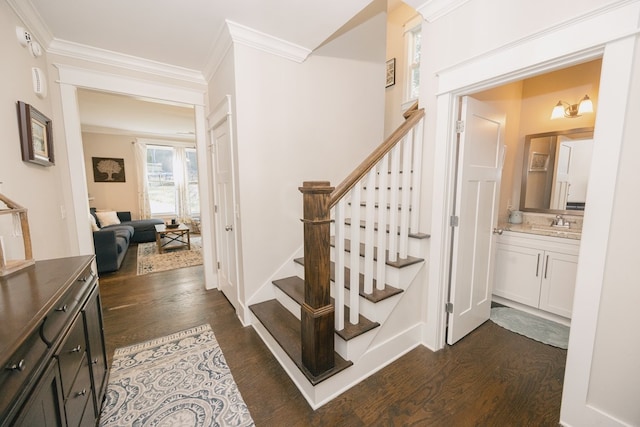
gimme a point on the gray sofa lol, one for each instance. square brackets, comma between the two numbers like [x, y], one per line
[112, 241]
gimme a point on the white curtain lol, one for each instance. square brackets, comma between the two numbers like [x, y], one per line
[140, 153]
[181, 179]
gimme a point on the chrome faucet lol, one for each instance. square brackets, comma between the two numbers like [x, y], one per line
[560, 222]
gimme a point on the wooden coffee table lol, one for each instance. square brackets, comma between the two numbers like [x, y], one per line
[172, 238]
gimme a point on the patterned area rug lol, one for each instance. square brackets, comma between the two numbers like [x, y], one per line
[150, 261]
[531, 326]
[178, 380]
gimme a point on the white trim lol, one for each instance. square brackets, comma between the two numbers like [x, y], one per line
[266, 43]
[432, 10]
[218, 52]
[114, 131]
[166, 142]
[616, 73]
[115, 83]
[103, 56]
[617, 26]
[221, 112]
[70, 79]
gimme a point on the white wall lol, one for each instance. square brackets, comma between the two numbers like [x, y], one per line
[301, 122]
[114, 196]
[35, 187]
[454, 44]
[395, 95]
[614, 384]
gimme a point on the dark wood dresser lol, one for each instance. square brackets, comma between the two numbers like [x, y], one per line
[52, 353]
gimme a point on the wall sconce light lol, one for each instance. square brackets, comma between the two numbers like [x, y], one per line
[571, 111]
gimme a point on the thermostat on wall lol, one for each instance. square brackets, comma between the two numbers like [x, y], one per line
[39, 82]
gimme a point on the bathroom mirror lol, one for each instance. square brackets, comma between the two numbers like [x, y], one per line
[556, 171]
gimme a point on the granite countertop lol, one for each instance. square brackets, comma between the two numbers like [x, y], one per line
[543, 230]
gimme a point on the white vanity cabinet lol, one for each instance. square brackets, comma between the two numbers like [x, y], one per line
[537, 271]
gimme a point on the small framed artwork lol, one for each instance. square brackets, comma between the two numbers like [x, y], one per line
[106, 169]
[391, 72]
[539, 162]
[36, 137]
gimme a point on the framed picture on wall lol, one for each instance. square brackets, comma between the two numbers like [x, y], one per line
[391, 72]
[36, 137]
[107, 169]
[539, 162]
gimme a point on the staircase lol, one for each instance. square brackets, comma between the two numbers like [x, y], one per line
[353, 304]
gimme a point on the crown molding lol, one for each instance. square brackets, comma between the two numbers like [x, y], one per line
[266, 43]
[32, 21]
[177, 137]
[102, 56]
[432, 10]
[217, 53]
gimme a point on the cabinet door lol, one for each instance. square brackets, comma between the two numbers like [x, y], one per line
[44, 407]
[517, 274]
[558, 283]
[92, 314]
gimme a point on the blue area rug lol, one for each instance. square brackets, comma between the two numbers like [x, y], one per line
[177, 380]
[531, 326]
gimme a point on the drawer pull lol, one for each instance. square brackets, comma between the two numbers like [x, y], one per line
[76, 349]
[63, 308]
[16, 366]
[81, 393]
[94, 361]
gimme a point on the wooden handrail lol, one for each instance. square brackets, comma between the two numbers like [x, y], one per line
[410, 110]
[358, 173]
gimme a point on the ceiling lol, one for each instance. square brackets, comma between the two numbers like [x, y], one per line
[179, 34]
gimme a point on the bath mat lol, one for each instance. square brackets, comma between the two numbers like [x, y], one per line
[150, 261]
[531, 326]
[178, 380]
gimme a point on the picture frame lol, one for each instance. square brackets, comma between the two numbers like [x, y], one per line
[36, 135]
[539, 162]
[391, 72]
[108, 169]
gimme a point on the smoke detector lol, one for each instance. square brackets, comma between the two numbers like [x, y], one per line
[24, 36]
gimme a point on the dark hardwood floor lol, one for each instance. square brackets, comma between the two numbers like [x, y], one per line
[492, 377]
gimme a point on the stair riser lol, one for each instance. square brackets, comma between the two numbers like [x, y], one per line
[349, 350]
[416, 246]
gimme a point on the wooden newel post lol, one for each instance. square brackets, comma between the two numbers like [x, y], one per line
[317, 311]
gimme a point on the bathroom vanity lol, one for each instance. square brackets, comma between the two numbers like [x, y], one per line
[535, 270]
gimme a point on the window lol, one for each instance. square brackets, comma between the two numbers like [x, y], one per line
[172, 177]
[414, 44]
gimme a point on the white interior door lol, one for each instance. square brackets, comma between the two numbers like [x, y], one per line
[225, 212]
[480, 158]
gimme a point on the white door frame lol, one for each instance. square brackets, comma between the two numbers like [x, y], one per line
[70, 79]
[609, 34]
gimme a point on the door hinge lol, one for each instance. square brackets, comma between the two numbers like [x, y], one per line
[215, 208]
[449, 307]
[454, 221]
[218, 265]
[459, 126]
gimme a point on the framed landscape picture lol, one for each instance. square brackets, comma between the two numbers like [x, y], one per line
[36, 137]
[107, 169]
[391, 72]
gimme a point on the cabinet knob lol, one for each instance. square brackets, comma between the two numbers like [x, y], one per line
[63, 308]
[94, 361]
[498, 231]
[16, 366]
[76, 349]
[81, 393]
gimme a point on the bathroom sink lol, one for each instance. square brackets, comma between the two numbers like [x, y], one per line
[556, 231]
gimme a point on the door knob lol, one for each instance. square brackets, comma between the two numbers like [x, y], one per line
[228, 228]
[498, 231]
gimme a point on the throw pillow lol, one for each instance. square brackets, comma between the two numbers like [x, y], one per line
[94, 225]
[108, 218]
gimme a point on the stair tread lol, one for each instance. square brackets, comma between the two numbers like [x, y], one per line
[286, 330]
[377, 295]
[347, 221]
[398, 263]
[294, 287]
